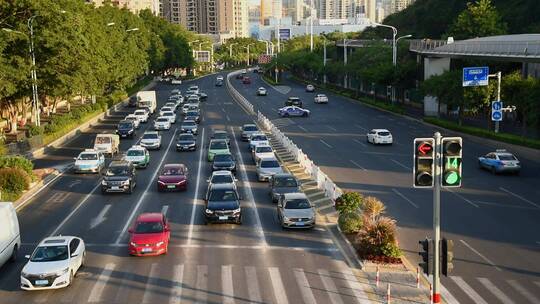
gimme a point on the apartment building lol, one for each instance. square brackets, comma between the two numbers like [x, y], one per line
[134, 6]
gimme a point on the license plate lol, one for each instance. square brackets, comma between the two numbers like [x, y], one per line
[124, 135]
[171, 186]
[147, 250]
[115, 188]
[42, 282]
[223, 218]
[299, 224]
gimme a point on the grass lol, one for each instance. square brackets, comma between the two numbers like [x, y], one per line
[503, 137]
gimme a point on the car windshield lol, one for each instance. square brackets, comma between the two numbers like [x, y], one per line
[222, 179]
[189, 124]
[250, 128]
[186, 137]
[297, 204]
[263, 149]
[167, 114]
[285, 182]
[117, 170]
[192, 113]
[220, 135]
[149, 227]
[162, 119]
[172, 171]
[132, 118]
[166, 109]
[269, 164]
[384, 133]
[218, 145]
[88, 156]
[124, 125]
[223, 158]
[294, 99]
[103, 140]
[150, 136]
[221, 195]
[135, 152]
[140, 112]
[258, 138]
[507, 157]
[50, 253]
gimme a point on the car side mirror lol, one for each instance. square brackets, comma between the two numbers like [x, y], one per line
[74, 255]
[27, 256]
[75, 158]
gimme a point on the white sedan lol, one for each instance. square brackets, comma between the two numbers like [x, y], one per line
[379, 136]
[162, 123]
[293, 111]
[142, 115]
[321, 98]
[261, 91]
[310, 88]
[54, 263]
[262, 151]
[170, 115]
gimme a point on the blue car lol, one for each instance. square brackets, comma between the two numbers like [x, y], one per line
[500, 161]
[293, 111]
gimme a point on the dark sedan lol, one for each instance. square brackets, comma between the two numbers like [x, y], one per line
[193, 115]
[173, 177]
[224, 162]
[186, 142]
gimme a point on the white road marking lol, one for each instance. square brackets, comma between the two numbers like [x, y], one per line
[468, 290]
[100, 218]
[537, 284]
[176, 295]
[141, 199]
[228, 119]
[305, 288]
[150, 284]
[356, 287]
[400, 164]
[354, 163]
[332, 128]
[520, 197]
[495, 291]
[330, 287]
[196, 197]
[462, 197]
[227, 288]
[447, 296]
[303, 129]
[220, 246]
[253, 284]
[505, 205]
[126, 285]
[164, 210]
[480, 255]
[223, 109]
[201, 285]
[359, 142]
[325, 143]
[277, 285]
[405, 198]
[251, 198]
[360, 127]
[97, 290]
[524, 292]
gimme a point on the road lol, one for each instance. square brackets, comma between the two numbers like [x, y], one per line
[493, 220]
[256, 262]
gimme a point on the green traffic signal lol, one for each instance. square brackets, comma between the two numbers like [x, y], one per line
[451, 178]
[452, 158]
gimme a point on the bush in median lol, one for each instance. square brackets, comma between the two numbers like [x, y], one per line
[17, 162]
[350, 222]
[349, 202]
[13, 181]
[378, 239]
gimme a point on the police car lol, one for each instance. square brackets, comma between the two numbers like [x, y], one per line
[138, 156]
[89, 160]
[500, 161]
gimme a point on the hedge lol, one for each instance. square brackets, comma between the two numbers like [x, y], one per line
[19, 162]
[350, 222]
[13, 181]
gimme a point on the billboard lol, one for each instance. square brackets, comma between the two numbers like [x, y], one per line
[285, 34]
[202, 56]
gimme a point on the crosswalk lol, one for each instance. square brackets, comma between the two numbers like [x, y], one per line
[194, 283]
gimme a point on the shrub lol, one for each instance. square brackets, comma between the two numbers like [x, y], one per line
[373, 207]
[349, 202]
[17, 162]
[378, 238]
[350, 222]
[33, 130]
[13, 181]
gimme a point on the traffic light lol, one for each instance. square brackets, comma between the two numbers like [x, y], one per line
[451, 157]
[424, 166]
[424, 253]
[447, 256]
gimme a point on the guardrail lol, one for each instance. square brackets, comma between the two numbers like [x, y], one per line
[236, 95]
[323, 181]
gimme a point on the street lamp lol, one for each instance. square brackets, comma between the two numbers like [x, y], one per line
[311, 26]
[394, 34]
[396, 45]
[267, 45]
[230, 48]
[345, 41]
[248, 52]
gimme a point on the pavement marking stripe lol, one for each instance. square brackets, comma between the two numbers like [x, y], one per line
[254, 292]
[164, 210]
[128, 282]
[325, 143]
[277, 285]
[196, 197]
[447, 296]
[462, 197]
[480, 255]
[151, 284]
[405, 198]
[356, 287]
[23, 203]
[305, 288]
[332, 128]
[468, 290]
[359, 142]
[495, 291]
[101, 217]
[227, 284]
[520, 197]
[524, 292]
[400, 164]
[303, 129]
[356, 164]
[330, 287]
[201, 285]
[99, 286]
[176, 293]
[360, 127]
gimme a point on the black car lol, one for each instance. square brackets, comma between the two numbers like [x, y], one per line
[132, 102]
[293, 101]
[202, 96]
[193, 115]
[222, 204]
[224, 162]
[281, 184]
[125, 129]
[120, 176]
[186, 142]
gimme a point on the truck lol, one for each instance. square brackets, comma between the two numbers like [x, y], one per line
[107, 143]
[10, 238]
[147, 99]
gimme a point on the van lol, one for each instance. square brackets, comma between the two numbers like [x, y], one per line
[147, 99]
[107, 143]
[10, 238]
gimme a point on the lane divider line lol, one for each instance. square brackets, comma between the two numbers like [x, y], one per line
[480, 255]
[520, 197]
[405, 198]
[196, 197]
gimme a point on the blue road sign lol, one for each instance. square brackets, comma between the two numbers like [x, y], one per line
[285, 34]
[496, 105]
[477, 76]
[496, 116]
[496, 110]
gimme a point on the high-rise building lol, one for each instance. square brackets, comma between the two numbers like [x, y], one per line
[399, 5]
[134, 6]
[271, 9]
[346, 9]
[295, 9]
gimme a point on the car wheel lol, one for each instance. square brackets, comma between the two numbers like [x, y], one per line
[70, 277]
[13, 256]
[285, 114]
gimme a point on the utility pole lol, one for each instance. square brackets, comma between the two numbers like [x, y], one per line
[35, 97]
[324, 60]
[499, 76]
[437, 219]
[311, 26]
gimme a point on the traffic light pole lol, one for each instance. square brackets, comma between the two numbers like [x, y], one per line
[437, 218]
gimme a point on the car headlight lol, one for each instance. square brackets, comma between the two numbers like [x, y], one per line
[208, 211]
[236, 211]
[286, 219]
[130, 131]
[133, 244]
[63, 271]
[125, 183]
[160, 243]
[104, 183]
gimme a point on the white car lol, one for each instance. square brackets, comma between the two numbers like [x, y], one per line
[89, 160]
[170, 115]
[321, 98]
[262, 151]
[142, 115]
[136, 121]
[379, 136]
[54, 263]
[175, 92]
[310, 88]
[151, 140]
[171, 105]
[194, 89]
[176, 81]
[258, 139]
[185, 108]
[162, 123]
[219, 78]
[261, 91]
[222, 177]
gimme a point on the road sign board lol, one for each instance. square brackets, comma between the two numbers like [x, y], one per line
[476, 76]
[496, 105]
[496, 116]
[202, 56]
[496, 110]
[263, 58]
[285, 34]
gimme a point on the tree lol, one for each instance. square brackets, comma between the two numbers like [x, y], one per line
[478, 20]
[447, 88]
[524, 93]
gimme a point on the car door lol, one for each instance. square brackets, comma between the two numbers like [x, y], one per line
[75, 255]
[167, 230]
[488, 160]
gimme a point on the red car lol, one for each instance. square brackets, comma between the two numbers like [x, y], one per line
[173, 177]
[149, 235]
[246, 80]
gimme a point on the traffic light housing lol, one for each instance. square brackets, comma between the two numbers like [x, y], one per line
[424, 165]
[447, 256]
[452, 159]
[424, 254]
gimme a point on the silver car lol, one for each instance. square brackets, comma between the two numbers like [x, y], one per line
[268, 167]
[295, 211]
[151, 140]
[247, 130]
[189, 126]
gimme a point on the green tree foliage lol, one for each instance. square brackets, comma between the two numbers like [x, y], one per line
[524, 93]
[447, 87]
[237, 47]
[480, 19]
[350, 222]
[349, 202]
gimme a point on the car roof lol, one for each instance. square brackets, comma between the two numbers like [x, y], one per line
[295, 195]
[151, 132]
[284, 175]
[88, 151]
[56, 240]
[262, 145]
[249, 125]
[226, 186]
[174, 166]
[150, 217]
[218, 140]
[380, 130]
[220, 131]
[163, 118]
[189, 120]
[293, 97]
[137, 147]
[222, 172]
[257, 134]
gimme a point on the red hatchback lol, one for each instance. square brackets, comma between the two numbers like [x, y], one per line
[173, 177]
[149, 235]
[246, 80]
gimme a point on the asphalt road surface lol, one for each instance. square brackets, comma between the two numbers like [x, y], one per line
[256, 262]
[494, 220]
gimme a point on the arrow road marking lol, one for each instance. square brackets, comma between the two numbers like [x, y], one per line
[100, 218]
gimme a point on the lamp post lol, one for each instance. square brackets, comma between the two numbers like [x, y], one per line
[311, 26]
[345, 78]
[394, 34]
[248, 52]
[267, 45]
[394, 60]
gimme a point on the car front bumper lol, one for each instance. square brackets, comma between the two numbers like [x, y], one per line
[298, 224]
[115, 188]
[214, 218]
[150, 146]
[186, 147]
[53, 282]
[79, 169]
[147, 250]
[171, 186]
